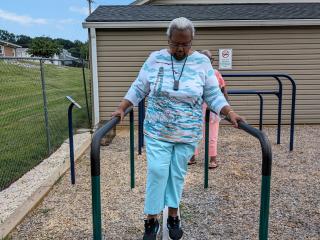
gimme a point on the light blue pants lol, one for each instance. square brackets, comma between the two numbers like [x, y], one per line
[167, 167]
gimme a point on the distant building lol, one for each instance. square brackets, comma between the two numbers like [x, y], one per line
[65, 55]
[22, 52]
[8, 49]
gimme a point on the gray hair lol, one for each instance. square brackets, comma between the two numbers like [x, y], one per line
[180, 23]
[206, 53]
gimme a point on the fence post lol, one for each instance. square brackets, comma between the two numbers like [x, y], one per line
[45, 106]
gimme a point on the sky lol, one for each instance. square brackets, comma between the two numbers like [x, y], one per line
[51, 18]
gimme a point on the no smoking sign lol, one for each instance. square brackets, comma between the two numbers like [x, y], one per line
[225, 58]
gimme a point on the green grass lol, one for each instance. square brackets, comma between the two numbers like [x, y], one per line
[23, 142]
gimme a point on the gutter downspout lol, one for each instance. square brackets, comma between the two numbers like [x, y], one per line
[95, 80]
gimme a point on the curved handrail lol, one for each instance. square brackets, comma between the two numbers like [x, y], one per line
[95, 169]
[293, 107]
[266, 176]
[265, 146]
[95, 144]
[95, 173]
[276, 76]
[265, 170]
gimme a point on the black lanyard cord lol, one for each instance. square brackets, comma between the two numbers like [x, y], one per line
[176, 82]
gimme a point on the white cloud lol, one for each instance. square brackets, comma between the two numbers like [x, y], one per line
[22, 19]
[60, 24]
[82, 10]
[67, 21]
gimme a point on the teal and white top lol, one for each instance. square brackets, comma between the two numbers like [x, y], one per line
[176, 116]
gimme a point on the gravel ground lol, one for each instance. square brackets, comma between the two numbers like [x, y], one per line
[228, 209]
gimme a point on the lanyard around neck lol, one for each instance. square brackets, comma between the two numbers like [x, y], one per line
[176, 82]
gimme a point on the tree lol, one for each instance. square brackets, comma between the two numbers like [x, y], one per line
[75, 52]
[44, 47]
[80, 49]
[6, 36]
[23, 41]
[66, 44]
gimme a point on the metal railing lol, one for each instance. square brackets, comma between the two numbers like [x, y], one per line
[260, 93]
[278, 93]
[265, 170]
[95, 170]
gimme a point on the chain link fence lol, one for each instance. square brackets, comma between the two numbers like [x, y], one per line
[33, 110]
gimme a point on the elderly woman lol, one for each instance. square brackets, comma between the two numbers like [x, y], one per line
[177, 81]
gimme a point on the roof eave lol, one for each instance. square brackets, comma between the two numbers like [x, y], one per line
[140, 2]
[216, 23]
[10, 44]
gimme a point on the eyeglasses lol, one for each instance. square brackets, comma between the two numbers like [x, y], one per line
[177, 45]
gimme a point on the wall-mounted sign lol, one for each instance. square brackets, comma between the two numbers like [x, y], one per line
[225, 58]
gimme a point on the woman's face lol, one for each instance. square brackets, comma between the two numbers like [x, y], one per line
[180, 43]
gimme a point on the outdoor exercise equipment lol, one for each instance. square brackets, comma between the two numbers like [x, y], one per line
[141, 115]
[95, 168]
[71, 147]
[95, 171]
[279, 93]
[266, 170]
[260, 93]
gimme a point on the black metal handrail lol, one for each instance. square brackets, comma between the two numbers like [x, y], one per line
[95, 171]
[277, 77]
[265, 146]
[260, 94]
[95, 145]
[266, 177]
[95, 168]
[265, 170]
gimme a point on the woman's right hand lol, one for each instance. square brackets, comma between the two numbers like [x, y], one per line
[121, 109]
[118, 113]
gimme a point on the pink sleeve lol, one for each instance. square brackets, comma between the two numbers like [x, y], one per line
[220, 79]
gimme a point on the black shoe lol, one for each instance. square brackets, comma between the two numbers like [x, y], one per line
[175, 231]
[151, 229]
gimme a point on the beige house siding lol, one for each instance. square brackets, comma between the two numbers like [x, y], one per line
[294, 51]
[167, 2]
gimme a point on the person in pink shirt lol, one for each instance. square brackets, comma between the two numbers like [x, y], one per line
[214, 121]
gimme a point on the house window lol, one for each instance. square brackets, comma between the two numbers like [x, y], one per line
[1, 50]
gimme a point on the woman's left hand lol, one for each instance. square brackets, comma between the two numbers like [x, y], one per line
[234, 118]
